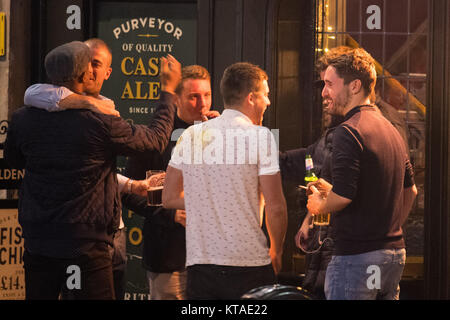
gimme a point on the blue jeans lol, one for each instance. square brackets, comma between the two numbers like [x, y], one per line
[367, 276]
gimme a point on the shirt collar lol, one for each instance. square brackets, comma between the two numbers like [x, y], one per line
[178, 123]
[232, 113]
[358, 109]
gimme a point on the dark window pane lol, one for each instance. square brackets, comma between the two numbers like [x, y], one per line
[373, 43]
[397, 16]
[353, 40]
[418, 88]
[418, 55]
[353, 16]
[396, 55]
[419, 15]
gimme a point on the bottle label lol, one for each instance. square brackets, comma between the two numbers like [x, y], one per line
[309, 164]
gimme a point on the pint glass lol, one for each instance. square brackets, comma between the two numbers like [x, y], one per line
[155, 188]
[321, 219]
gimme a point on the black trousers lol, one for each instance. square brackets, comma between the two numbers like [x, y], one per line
[119, 262]
[87, 277]
[215, 282]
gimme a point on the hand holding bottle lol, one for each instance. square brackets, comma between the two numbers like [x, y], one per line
[315, 201]
[323, 186]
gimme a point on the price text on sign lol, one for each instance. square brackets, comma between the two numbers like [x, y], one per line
[12, 275]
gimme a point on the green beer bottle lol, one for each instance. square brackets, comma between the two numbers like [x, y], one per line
[310, 176]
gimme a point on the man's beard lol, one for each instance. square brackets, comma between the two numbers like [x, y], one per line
[338, 104]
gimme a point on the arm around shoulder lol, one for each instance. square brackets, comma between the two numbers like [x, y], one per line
[78, 101]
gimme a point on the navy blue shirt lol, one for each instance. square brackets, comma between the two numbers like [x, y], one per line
[370, 167]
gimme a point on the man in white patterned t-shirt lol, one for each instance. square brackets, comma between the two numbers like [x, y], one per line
[223, 172]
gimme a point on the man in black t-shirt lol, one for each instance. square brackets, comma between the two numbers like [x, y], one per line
[373, 187]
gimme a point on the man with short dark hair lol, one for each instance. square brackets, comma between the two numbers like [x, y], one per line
[69, 205]
[164, 253]
[219, 172]
[373, 186]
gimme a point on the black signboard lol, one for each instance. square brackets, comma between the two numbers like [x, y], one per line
[139, 34]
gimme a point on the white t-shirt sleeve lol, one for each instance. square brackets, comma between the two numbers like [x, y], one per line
[267, 153]
[46, 96]
[122, 181]
[183, 151]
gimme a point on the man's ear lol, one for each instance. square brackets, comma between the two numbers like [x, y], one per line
[250, 98]
[108, 73]
[355, 86]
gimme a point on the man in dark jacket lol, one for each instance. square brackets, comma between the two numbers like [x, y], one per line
[69, 204]
[292, 165]
[164, 255]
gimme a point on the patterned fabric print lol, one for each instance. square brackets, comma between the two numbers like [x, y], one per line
[221, 160]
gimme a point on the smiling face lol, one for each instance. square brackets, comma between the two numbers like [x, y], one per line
[88, 79]
[335, 94]
[101, 65]
[195, 99]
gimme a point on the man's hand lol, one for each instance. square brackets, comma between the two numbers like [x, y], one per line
[170, 74]
[276, 258]
[211, 114]
[322, 185]
[315, 201]
[180, 217]
[104, 106]
[325, 200]
[140, 187]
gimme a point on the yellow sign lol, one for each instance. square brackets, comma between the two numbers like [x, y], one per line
[2, 34]
[12, 275]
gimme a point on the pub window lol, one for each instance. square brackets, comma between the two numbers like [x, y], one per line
[395, 33]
